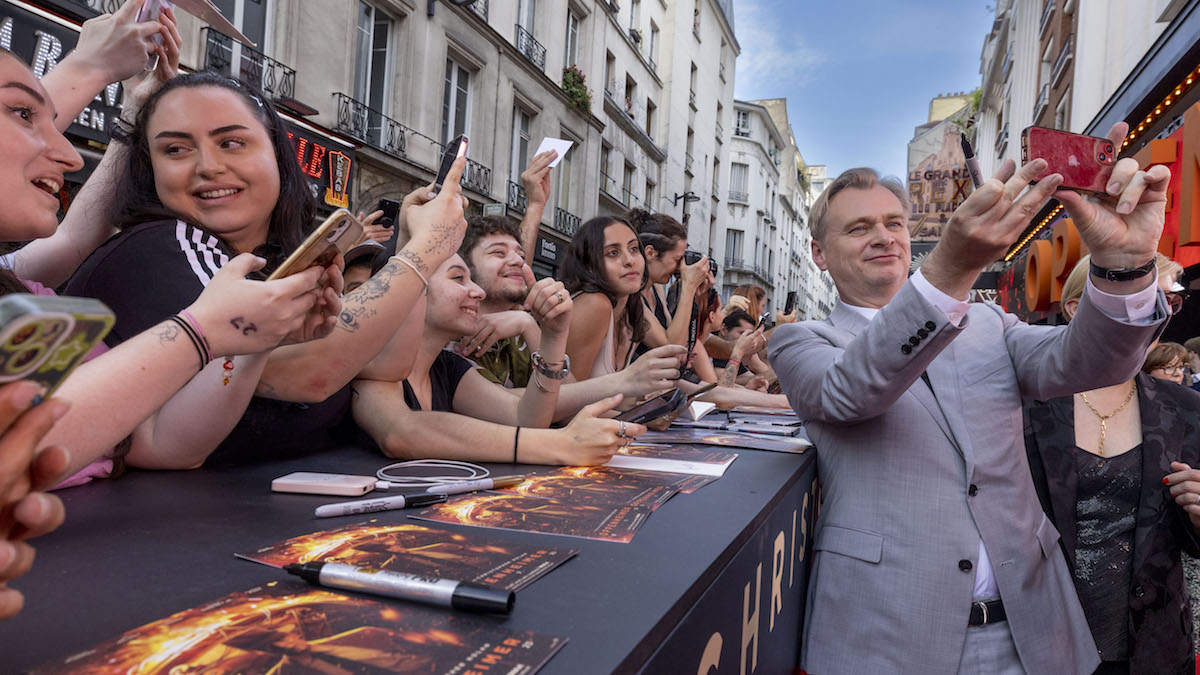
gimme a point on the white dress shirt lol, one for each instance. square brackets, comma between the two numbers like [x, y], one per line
[1134, 308]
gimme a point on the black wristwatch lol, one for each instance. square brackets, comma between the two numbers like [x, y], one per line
[1123, 275]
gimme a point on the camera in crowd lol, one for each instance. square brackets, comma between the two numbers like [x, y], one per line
[691, 257]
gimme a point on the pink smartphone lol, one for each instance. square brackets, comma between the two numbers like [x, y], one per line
[1085, 162]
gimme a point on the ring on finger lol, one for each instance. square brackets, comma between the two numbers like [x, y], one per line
[621, 430]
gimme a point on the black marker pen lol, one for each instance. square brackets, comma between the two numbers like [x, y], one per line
[972, 161]
[429, 590]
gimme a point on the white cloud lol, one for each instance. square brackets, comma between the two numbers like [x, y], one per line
[768, 66]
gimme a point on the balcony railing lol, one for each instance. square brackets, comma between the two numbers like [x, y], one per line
[1047, 12]
[612, 6]
[739, 196]
[477, 177]
[721, 71]
[687, 162]
[223, 54]
[370, 126]
[566, 222]
[692, 99]
[608, 185]
[737, 264]
[741, 131]
[480, 7]
[1064, 57]
[1008, 61]
[531, 48]
[720, 131]
[1043, 100]
[516, 197]
[627, 197]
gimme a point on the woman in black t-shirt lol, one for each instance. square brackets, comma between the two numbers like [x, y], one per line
[446, 409]
[212, 173]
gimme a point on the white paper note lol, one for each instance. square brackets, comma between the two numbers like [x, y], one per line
[562, 146]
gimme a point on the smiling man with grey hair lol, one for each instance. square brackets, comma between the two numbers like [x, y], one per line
[932, 551]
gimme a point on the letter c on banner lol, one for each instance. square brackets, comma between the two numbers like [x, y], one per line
[1038, 264]
[711, 658]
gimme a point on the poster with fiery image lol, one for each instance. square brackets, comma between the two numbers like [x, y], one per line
[599, 485]
[729, 439]
[538, 514]
[415, 549]
[287, 627]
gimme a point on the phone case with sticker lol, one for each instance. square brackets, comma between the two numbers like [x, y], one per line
[43, 338]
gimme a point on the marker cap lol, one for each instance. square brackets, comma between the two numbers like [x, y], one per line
[475, 598]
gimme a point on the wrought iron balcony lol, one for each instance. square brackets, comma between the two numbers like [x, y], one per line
[692, 99]
[370, 126]
[720, 131]
[225, 55]
[516, 197]
[566, 222]
[531, 48]
[739, 196]
[627, 197]
[1064, 57]
[741, 131]
[1008, 61]
[1043, 100]
[737, 265]
[480, 7]
[1047, 12]
[687, 162]
[721, 71]
[477, 177]
[608, 186]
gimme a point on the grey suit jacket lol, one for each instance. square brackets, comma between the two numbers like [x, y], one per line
[913, 478]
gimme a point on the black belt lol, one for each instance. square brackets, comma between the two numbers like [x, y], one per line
[988, 611]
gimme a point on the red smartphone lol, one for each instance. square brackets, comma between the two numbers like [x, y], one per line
[1085, 162]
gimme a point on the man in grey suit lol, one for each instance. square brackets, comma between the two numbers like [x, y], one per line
[932, 552]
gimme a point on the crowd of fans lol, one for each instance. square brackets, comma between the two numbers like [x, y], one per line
[445, 347]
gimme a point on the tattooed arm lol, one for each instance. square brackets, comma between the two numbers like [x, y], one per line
[373, 313]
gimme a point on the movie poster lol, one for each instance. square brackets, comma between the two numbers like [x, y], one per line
[288, 627]
[415, 549]
[545, 516]
[599, 485]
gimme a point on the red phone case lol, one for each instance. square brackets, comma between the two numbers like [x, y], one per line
[1085, 162]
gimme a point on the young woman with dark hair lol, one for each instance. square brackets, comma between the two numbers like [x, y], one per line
[211, 173]
[137, 391]
[664, 241]
[604, 269]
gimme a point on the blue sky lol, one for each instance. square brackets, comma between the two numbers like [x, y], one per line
[858, 75]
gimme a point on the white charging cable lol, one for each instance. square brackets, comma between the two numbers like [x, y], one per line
[465, 471]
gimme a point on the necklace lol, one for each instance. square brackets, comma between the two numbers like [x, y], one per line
[1105, 418]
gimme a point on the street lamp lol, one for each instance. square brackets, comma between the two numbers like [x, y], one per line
[688, 196]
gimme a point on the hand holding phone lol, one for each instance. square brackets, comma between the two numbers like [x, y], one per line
[150, 12]
[338, 234]
[790, 304]
[455, 149]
